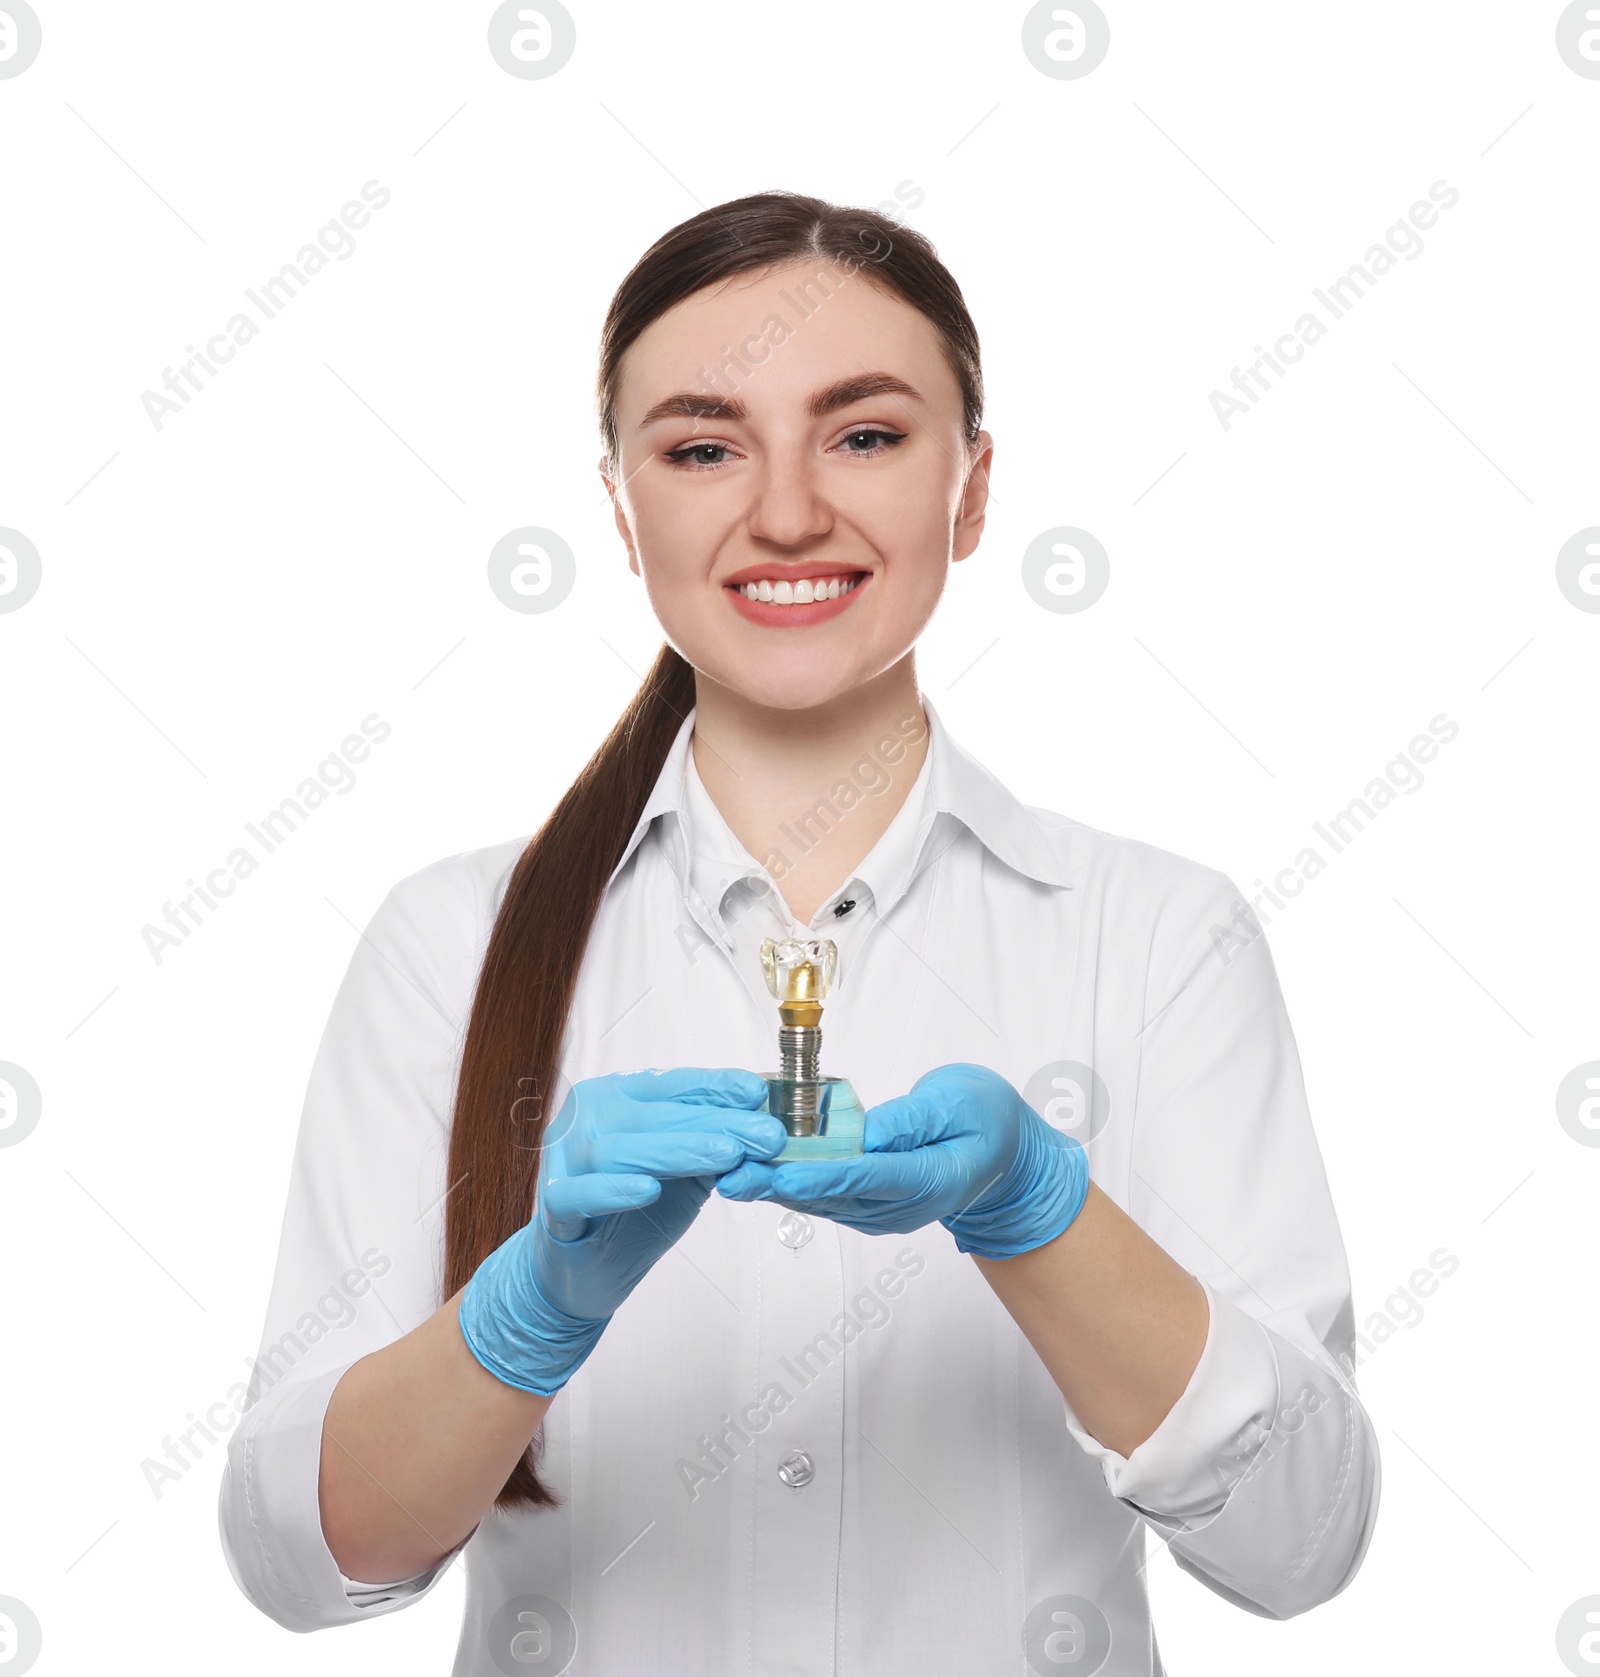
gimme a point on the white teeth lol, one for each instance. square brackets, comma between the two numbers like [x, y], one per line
[807, 589]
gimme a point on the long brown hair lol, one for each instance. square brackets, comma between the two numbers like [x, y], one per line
[530, 969]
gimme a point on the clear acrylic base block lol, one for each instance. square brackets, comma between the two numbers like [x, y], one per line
[840, 1120]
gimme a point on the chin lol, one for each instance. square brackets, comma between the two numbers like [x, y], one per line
[797, 693]
[784, 684]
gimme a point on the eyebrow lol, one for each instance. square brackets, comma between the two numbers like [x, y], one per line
[698, 404]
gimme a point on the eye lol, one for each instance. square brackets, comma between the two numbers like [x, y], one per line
[683, 456]
[886, 440]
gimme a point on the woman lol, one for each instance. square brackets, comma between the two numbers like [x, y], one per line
[700, 1413]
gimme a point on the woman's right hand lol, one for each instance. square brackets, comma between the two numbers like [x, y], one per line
[626, 1165]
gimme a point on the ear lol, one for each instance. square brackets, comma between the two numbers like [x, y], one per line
[973, 509]
[620, 518]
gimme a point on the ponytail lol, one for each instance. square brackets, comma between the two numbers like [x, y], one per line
[525, 991]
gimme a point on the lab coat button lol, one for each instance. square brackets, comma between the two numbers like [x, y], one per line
[794, 1229]
[796, 1469]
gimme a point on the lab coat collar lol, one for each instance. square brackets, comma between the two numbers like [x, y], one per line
[666, 796]
[960, 790]
[719, 861]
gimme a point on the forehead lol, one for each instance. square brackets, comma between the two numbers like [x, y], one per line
[794, 328]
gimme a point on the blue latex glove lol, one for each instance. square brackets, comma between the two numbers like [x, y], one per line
[625, 1167]
[963, 1148]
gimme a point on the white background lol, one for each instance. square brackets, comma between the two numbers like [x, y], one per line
[223, 600]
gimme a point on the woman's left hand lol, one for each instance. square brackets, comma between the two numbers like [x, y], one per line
[963, 1148]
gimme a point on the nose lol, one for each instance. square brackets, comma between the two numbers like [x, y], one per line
[788, 507]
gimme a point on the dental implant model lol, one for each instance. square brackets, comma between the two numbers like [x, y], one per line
[822, 1115]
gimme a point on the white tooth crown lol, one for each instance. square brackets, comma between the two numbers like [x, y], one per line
[785, 593]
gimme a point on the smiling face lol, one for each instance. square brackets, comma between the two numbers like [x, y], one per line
[835, 457]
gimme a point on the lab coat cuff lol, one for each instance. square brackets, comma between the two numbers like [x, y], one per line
[1185, 1469]
[366, 1596]
[286, 1566]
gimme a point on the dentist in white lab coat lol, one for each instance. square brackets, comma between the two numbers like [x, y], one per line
[677, 1409]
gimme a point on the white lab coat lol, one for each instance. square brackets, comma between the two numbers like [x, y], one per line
[801, 1449]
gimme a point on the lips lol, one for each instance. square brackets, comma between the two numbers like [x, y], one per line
[770, 614]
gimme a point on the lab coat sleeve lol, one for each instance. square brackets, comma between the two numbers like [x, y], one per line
[360, 1256]
[1263, 1479]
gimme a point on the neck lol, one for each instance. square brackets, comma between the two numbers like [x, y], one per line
[809, 792]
